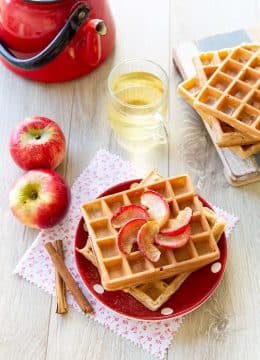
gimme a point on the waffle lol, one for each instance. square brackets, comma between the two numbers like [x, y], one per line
[150, 178]
[207, 63]
[119, 271]
[212, 59]
[246, 150]
[88, 253]
[224, 135]
[154, 294]
[232, 93]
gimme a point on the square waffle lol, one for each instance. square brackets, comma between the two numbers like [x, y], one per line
[232, 92]
[245, 151]
[154, 294]
[207, 63]
[224, 135]
[150, 178]
[212, 59]
[119, 271]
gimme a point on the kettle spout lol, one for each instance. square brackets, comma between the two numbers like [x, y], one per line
[96, 29]
[98, 26]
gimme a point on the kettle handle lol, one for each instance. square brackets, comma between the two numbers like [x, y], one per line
[55, 47]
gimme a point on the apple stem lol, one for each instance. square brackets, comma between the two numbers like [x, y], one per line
[34, 195]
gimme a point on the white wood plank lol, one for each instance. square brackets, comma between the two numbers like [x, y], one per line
[136, 37]
[202, 18]
[227, 326]
[24, 309]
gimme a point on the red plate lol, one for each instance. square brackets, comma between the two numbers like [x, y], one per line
[194, 292]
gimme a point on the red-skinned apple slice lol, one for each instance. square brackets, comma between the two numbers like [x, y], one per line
[145, 240]
[179, 224]
[128, 234]
[173, 242]
[128, 212]
[157, 206]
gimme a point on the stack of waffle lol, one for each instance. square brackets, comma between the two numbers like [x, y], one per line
[150, 283]
[226, 95]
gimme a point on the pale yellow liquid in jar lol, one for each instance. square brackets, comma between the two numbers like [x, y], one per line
[138, 112]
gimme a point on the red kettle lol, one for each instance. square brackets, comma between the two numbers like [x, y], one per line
[55, 40]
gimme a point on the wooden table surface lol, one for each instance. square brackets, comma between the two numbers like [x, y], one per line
[228, 325]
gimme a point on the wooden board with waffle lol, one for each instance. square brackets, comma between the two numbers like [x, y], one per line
[222, 83]
[153, 294]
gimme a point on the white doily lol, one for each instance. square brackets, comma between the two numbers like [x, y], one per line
[105, 170]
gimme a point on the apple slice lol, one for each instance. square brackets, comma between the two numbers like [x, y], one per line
[157, 206]
[179, 224]
[145, 240]
[128, 212]
[128, 234]
[173, 242]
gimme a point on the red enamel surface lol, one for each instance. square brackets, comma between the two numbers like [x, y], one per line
[27, 28]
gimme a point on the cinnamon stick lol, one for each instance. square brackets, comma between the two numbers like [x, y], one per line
[62, 306]
[68, 279]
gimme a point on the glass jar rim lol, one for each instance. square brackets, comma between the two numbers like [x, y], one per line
[136, 107]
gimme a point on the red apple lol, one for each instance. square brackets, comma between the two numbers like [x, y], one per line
[157, 206]
[37, 142]
[128, 212]
[39, 198]
[173, 242]
[179, 224]
[146, 239]
[128, 234]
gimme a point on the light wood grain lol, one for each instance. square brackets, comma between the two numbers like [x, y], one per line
[227, 326]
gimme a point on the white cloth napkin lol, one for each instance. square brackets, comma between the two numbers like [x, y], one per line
[105, 170]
